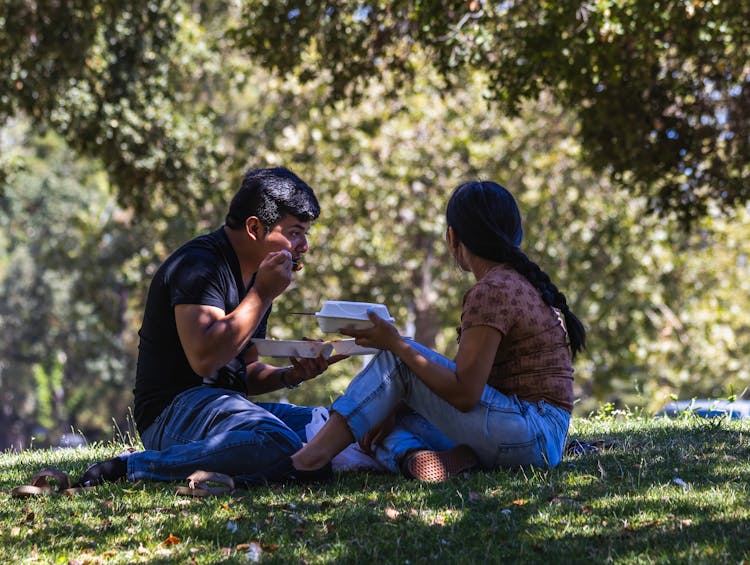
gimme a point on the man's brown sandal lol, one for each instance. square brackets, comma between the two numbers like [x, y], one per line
[43, 483]
[438, 466]
[198, 484]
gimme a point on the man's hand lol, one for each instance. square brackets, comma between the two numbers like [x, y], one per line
[274, 274]
[305, 369]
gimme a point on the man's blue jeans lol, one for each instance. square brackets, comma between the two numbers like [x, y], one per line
[412, 433]
[504, 431]
[219, 430]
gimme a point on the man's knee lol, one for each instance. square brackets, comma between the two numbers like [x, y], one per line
[282, 439]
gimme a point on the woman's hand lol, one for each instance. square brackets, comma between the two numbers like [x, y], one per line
[383, 335]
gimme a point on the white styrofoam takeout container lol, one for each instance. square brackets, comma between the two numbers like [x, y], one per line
[292, 348]
[340, 314]
[310, 349]
[348, 347]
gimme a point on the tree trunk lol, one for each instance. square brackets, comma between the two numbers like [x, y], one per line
[426, 324]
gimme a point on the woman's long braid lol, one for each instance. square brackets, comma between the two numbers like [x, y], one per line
[550, 294]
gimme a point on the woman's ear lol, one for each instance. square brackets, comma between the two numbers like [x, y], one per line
[254, 227]
[450, 236]
[457, 249]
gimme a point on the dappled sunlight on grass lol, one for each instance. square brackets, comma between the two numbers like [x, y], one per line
[659, 491]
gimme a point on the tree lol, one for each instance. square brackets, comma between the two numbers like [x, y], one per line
[661, 89]
[123, 82]
[383, 169]
[63, 301]
[76, 251]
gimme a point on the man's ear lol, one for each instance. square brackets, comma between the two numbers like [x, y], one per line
[254, 228]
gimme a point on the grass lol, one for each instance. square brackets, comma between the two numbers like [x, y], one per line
[664, 491]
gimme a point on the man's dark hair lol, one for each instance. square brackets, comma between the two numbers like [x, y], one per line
[269, 194]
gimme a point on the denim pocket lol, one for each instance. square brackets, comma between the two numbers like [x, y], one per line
[520, 454]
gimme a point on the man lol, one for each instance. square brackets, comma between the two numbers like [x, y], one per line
[196, 361]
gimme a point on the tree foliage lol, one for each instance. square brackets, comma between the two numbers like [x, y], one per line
[661, 89]
[64, 302]
[122, 82]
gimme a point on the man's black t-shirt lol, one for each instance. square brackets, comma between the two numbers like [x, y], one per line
[204, 271]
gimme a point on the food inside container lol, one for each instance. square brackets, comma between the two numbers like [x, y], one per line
[339, 314]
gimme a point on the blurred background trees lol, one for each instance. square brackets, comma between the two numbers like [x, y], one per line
[660, 89]
[126, 129]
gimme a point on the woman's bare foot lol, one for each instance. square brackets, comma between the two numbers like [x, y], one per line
[332, 438]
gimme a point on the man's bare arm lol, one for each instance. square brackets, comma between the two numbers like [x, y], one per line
[211, 338]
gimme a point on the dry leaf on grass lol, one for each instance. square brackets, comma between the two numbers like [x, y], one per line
[270, 546]
[391, 513]
[172, 540]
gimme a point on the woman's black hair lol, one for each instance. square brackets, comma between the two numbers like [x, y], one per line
[269, 194]
[485, 218]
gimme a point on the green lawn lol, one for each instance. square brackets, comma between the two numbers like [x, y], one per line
[665, 491]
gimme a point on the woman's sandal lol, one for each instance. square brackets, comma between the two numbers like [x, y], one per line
[197, 484]
[42, 485]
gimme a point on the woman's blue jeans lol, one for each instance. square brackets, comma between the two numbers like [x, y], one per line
[504, 431]
[219, 430]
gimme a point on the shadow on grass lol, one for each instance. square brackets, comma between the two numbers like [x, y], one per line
[622, 504]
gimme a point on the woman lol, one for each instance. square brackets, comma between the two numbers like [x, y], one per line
[506, 399]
